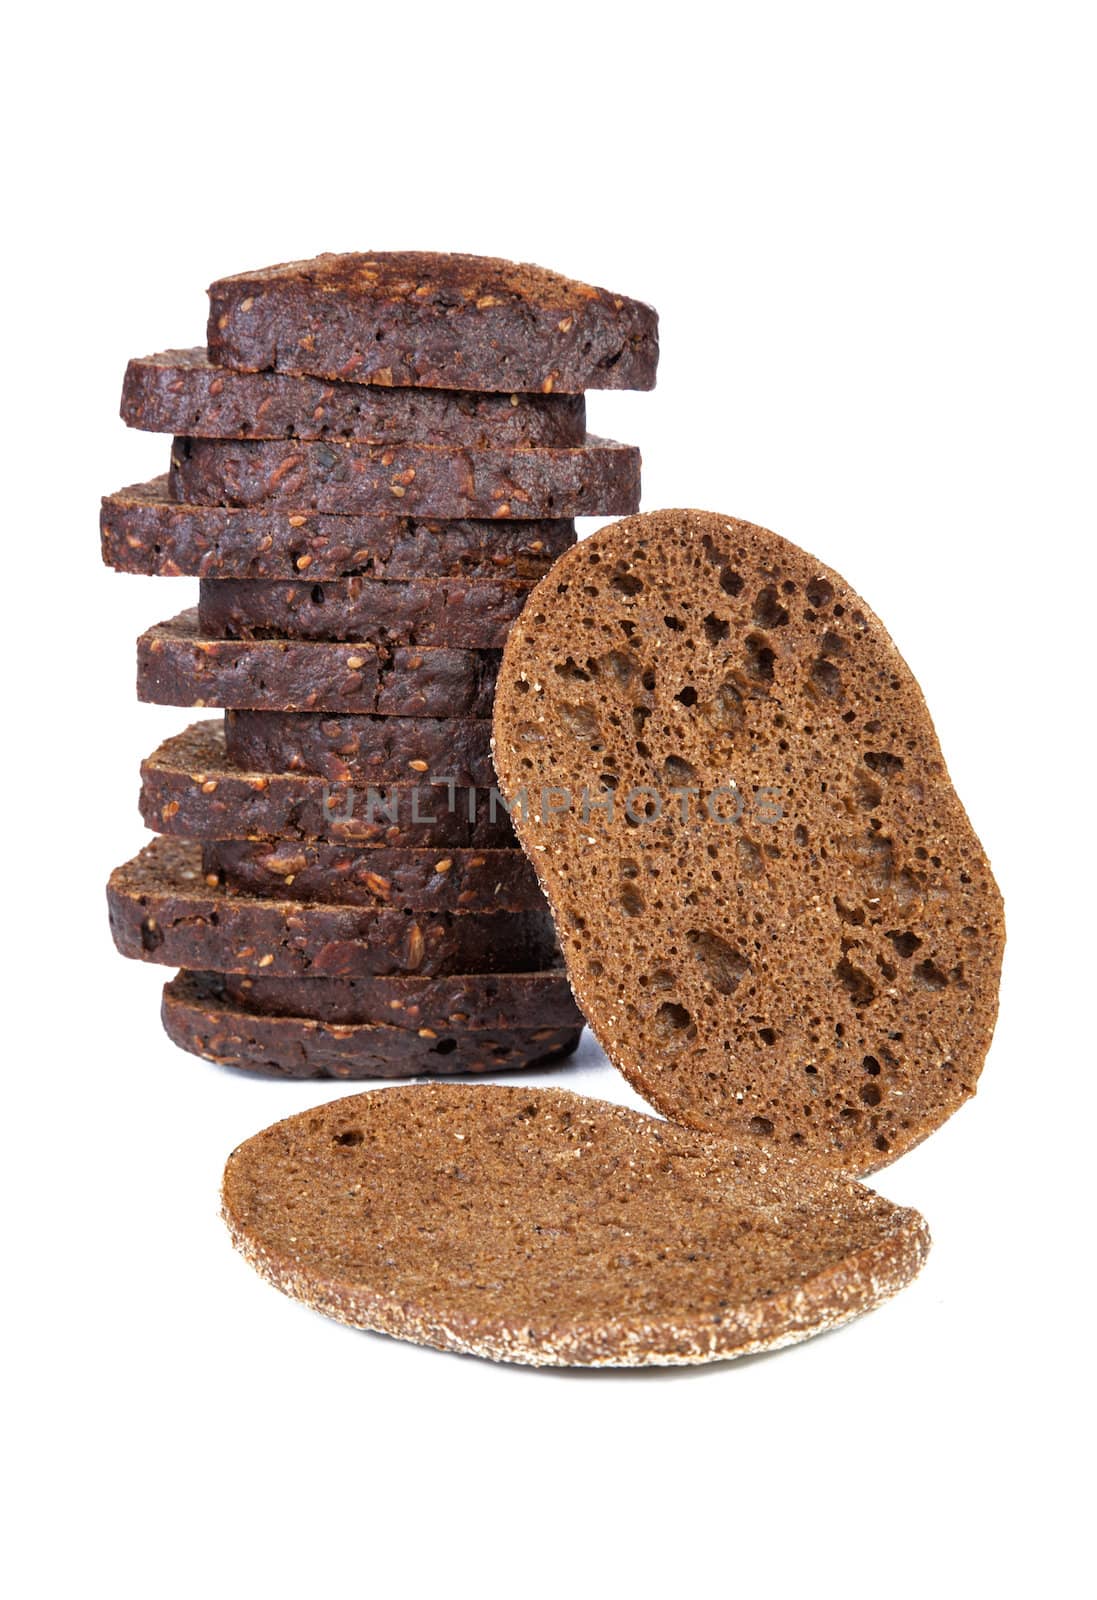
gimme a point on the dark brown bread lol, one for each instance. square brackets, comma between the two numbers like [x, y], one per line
[208, 1025]
[598, 478]
[821, 972]
[190, 790]
[179, 666]
[181, 391]
[472, 614]
[362, 750]
[163, 909]
[143, 530]
[403, 879]
[555, 1230]
[433, 321]
[470, 1001]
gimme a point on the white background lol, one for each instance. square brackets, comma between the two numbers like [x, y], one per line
[868, 230]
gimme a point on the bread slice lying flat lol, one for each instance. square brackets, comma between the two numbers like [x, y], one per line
[597, 478]
[180, 665]
[786, 930]
[421, 318]
[143, 530]
[182, 391]
[537, 1226]
[191, 788]
[199, 1016]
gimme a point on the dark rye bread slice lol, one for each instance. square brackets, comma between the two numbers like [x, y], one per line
[416, 879]
[595, 479]
[163, 909]
[200, 1019]
[812, 960]
[143, 530]
[470, 613]
[362, 750]
[432, 321]
[177, 665]
[554, 1230]
[190, 790]
[470, 1001]
[182, 391]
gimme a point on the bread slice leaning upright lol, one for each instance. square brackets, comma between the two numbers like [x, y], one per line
[773, 908]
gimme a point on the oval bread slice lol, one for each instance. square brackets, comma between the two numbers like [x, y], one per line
[773, 908]
[541, 1227]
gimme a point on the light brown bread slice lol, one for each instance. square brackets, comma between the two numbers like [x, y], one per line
[554, 1230]
[787, 929]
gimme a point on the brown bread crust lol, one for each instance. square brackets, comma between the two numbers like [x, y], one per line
[402, 879]
[556, 1230]
[433, 321]
[163, 909]
[177, 665]
[825, 979]
[362, 750]
[197, 1019]
[189, 789]
[599, 478]
[472, 614]
[143, 530]
[469, 1001]
[181, 391]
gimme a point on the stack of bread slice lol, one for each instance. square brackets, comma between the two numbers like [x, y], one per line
[375, 459]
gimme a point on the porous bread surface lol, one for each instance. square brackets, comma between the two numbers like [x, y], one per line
[466, 613]
[142, 529]
[596, 478]
[163, 908]
[183, 391]
[361, 749]
[541, 1227]
[405, 879]
[179, 665]
[189, 788]
[433, 320]
[199, 1018]
[804, 950]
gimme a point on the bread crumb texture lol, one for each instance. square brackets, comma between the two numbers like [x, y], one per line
[541, 1227]
[785, 929]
